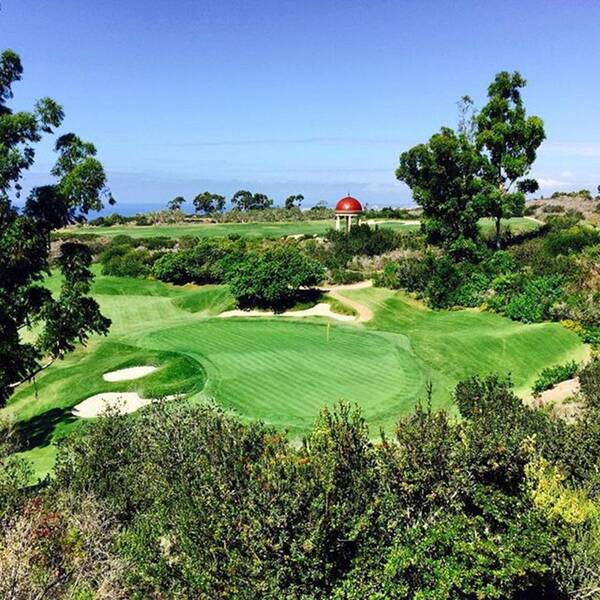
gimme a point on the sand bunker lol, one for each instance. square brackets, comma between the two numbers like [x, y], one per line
[319, 310]
[130, 373]
[122, 402]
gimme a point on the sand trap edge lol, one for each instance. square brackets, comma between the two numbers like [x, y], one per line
[129, 373]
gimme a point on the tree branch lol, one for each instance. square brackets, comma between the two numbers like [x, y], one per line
[30, 376]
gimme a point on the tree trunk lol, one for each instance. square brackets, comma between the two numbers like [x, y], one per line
[498, 219]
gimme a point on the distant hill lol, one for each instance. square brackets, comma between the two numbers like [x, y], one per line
[563, 203]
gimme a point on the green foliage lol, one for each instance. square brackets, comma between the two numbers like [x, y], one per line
[108, 221]
[294, 201]
[124, 261]
[272, 278]
[205, 262]
[589, 380]
[209, 507]
[443, 175]
[15, 473]
[176, 203]
[206, 203]
[361, 240]
[550, 376]
[533, 303]
[345, 276]
[72, 315]
[482, 170]
[244, 200]
[507, 140]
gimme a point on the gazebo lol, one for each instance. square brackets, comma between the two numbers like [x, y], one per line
[347, 208]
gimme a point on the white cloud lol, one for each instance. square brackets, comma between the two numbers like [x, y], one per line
[573, 148]
[566, 174]
[548, 181]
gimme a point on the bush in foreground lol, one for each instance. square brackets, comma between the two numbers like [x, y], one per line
[186, 501]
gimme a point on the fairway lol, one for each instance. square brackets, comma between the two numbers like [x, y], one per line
[273, 230]
[280, 370]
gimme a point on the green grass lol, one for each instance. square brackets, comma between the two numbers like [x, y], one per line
[453, 345]
[260, 230]
[202, 230]
[277, 369]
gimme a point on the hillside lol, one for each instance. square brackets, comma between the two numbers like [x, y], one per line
[562, 203]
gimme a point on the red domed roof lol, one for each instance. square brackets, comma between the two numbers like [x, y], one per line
[348, 204]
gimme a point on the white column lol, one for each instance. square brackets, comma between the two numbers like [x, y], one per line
[337, 222]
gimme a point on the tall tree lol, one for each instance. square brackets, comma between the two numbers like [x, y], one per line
[443, 175]
[294, 201]
[261, 201]
[466, 117]
[176, 203]
[507, 140]
[245, 200]
[206, 202]
[80, 186]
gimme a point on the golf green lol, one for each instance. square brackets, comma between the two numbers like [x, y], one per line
[284, 371]
[278, 369]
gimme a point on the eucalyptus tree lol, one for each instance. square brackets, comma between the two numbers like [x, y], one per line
[71, 315]
[245, 200]
[507, 140]
[208, 202]
[294, 201]
[443, 175]
[176, 203]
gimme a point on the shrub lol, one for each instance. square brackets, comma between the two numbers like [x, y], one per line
[411, 272]
[361, 240]
[344, 276]
[553, 208]
[123, 240]
[571, 240]
[123, 261]
[209, 507]
[157, 243]
[272, 278]
[205, 262]
[550, 376]
[589, 380]
[533, 304]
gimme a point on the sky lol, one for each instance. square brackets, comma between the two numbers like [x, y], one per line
[317, 97]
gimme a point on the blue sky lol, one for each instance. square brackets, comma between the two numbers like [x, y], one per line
[313, 97]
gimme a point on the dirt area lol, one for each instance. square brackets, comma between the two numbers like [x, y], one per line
[562, 399]
[543, 207]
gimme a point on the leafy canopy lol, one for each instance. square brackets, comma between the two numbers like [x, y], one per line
[480, 171]
[206, 202]
[245, 200]
[272, 278]
[80, 186]
[176, 203]
[507, 140]
[443, 175]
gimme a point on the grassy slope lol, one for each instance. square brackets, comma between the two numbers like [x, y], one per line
[457, 344]
[280, 370]
[256, 230]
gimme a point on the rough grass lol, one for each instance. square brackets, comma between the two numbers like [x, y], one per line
[275, 230]
[281, 370]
